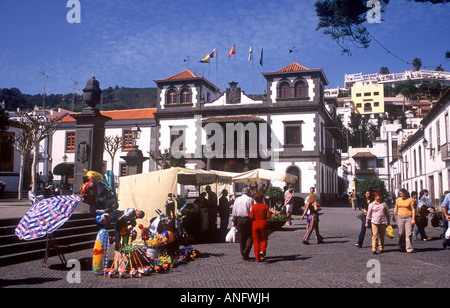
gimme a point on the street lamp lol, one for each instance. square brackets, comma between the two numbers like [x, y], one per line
[425, 145]
[135, 134]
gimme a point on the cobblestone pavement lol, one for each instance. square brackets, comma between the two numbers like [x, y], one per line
[335, 264]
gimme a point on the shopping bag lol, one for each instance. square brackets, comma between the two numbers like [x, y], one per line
[390, 232]
[231, 236]
[447, 234]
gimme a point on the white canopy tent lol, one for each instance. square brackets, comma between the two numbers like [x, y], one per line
[148, 191]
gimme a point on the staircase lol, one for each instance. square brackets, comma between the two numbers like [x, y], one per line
[78, 233]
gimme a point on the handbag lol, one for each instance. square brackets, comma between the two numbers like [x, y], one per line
[231, 235]
[390, 232]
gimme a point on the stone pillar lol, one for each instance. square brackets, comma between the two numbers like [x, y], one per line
[89, 138]
[135, 160]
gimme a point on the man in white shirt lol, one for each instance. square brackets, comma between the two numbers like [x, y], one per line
[243, 223]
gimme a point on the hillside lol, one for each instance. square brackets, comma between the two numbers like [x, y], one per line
[113, 99]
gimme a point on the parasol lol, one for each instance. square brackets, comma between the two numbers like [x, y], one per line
[46, 216]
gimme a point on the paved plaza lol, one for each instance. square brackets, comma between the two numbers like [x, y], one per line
[335, 264]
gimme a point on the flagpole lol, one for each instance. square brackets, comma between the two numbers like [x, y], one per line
[235, 65]
[261, 61]
[217, 65]
[253, 76]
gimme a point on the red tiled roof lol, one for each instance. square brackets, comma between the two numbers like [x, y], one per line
[293, 67]
[129, 114]
[187, 74]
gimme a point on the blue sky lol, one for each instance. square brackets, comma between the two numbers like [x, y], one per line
[131, 43]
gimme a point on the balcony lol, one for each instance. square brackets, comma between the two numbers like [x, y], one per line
[333, 157]
[445, 152]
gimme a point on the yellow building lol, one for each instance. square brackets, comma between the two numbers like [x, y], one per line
[368, 98]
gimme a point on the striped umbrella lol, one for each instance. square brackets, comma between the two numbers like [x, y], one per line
[46, 216]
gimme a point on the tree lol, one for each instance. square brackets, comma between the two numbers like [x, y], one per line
[417, 64]
[36, 126]
[372, 184]
[359, 133]
[112, 145]
[167, 160]
[64, 170]
[343, 20]
[384, 70]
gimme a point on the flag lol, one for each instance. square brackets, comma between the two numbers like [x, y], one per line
[261, 59]
[232, 51]
[206, 59]
[250, 53]
[213, 53]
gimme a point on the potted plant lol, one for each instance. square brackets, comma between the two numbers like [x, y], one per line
[275, 194]
[277, 221]
[64, 170]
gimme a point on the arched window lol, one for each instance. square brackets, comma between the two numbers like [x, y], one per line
[284, 90]
[171, 97]
[294, 170]
[301, 89]
[186, 96]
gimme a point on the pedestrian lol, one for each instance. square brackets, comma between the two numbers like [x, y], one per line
[289, 204]
[260, 228]
[224, 212]
[364, 207]
[313, 209]
[445, 208]
[378, 216]
[422, 214]
[50, 178]
[353, 198]
[2, 188]
[404, 206]
[243, 223]
[212, 209]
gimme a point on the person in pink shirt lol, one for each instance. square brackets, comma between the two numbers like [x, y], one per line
[378, 214]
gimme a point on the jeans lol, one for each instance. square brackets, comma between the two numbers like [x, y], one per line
[362, 234]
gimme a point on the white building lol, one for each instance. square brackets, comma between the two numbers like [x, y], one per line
[425, 162]
[121, 123]
[291, 129]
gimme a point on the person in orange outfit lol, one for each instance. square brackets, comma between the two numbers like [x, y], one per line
[260, 229]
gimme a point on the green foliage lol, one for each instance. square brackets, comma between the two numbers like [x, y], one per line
[372, 184]
[63, 169]
[114, 99]
[275, 193]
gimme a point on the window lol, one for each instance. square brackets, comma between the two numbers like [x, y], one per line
[358, 94]
[284, 90]
[359, 105]
[376, 104]
[186, 96]
[177, 139]
[301, 89]
[438, 136]
[70, 142]
[367, 94]
[127, 140]
[376, 93]
[293, 133]
[380, 163]
[171, 97]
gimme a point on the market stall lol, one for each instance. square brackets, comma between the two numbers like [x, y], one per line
[148, 191]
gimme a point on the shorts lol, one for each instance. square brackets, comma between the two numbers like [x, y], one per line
[289, 207]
